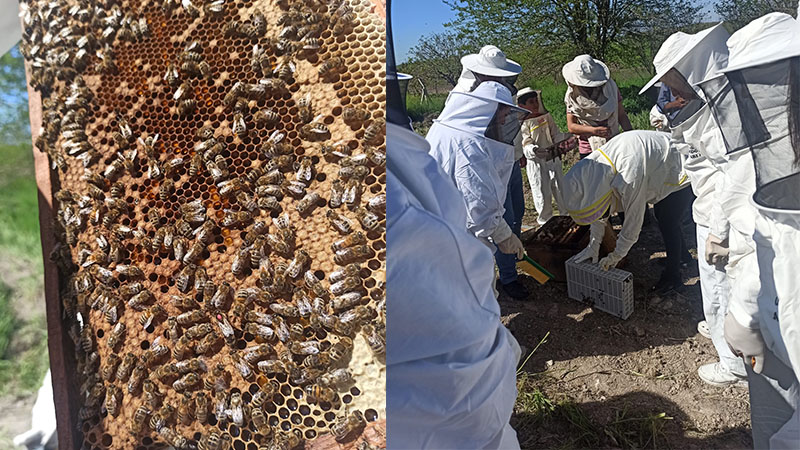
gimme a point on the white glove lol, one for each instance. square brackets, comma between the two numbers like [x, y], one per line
[716, 250]
[512, 245]
[597, 231]
[746, 343]
[610, 261]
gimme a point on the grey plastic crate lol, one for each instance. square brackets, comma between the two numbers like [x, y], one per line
[610, 291]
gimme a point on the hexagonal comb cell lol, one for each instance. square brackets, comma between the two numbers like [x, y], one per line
[220, 199]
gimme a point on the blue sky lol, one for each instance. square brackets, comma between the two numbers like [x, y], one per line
[412, 19]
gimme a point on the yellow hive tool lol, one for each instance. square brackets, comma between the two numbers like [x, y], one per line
[535, 270]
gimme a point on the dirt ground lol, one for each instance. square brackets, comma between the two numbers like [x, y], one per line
[601, 382]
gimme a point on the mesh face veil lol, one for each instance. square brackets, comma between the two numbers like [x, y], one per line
[506, 124]
[758, 109]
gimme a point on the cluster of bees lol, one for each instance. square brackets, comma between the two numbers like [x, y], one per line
[278, 319]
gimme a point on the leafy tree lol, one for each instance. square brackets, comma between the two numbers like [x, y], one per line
[437, 57]
[738, 13]
[14, 122]
[549, 32]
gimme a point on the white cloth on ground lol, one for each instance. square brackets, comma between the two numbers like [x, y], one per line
[450, 362]
[42, 435]
[478, 166]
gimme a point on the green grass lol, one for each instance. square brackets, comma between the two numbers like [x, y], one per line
[23, 341]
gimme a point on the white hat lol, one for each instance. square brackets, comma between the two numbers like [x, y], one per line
[676, 48]
[525, 90]
[586, 71]
[492, 91]
[769, 38]
[491, 61]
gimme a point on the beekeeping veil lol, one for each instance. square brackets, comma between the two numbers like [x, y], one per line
[757, 106]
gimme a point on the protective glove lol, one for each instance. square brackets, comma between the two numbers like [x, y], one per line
[512, 246]
[610, 261]
[592, 251]
[746, 343]
[716, 250]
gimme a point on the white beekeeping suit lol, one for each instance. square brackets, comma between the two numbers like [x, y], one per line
[696, 57]
[757, 107]
[472, 142]
[628, 172]
[538, 136]
[450, 362]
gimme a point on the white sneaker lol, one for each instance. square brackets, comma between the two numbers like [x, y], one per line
[703, 329]
[716, 375]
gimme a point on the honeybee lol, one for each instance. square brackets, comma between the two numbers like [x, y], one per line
[281, 329]
[215, 9]
[315, 129]
[234, 219]
[346, 285]
[337, 378]
[373, 134]
[255, 353]
[151, 314]
[239, 127]
[208, 342]
[186, 409]
[330, 67]
[220, 300]
[355, 116]
[152, 394]
[139, 420]
[236, 410]
[219, 379]
[241, 366]
[141, 300]
[259, 331]
[377, 204]
[113, 400]
[316, 393]
[351, 240]
[257, 317]
[376, 338]
[368, 219]
[137, 375]
[305, 169]
[198, 331]
[185, 382]
[190, 317]
[116, 336]
[201, 407]
[285, 69]
[304, 109]
[179, 247]
[339, 351]
[184, 278]
[159, 420]
[310, 43]
[301, 259]
[110, 367]
[259, 23]
[166, 189]
[337, 190]
[126, 366]
[346, 301]
[313, 283]
[271, 366]
[348, 255]
[285, 309]
[352, 191]
[187, 106]
[226, 329]
[304, 348]
[345, 425]
[339, 222]
[171, 76]
[266, 117]
[168, 434]
[241, 261]
[260, 421]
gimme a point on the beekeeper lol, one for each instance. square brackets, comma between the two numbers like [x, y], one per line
[628, 172]
[594, 103]
[489, 64]
[756, 106]
[472, 142]
[451, 363]
[542, 144]
[682, 61]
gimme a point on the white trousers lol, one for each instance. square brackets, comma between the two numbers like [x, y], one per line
[715, 290]
[545, 180]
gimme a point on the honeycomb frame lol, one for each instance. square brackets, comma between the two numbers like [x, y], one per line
[137, 91]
